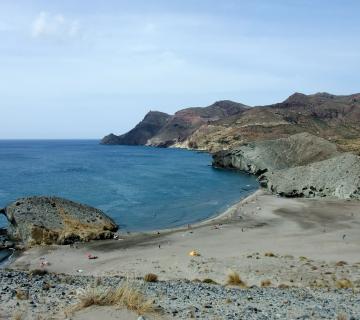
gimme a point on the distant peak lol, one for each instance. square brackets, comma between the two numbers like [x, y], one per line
[297, 97]
[228, 103]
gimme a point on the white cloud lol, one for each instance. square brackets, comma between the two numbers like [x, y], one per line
[57, 25]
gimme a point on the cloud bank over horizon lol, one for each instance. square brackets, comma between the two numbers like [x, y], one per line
[83, 69]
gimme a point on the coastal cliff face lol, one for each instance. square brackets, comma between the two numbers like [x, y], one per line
[52, 220]
[334, 118]
[262, 156]
[162, 130]
[337, 177]
[147, 128]
[301, 165]
[226, 125]
[294, 146]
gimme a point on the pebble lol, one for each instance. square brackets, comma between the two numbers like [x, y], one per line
[193, 300]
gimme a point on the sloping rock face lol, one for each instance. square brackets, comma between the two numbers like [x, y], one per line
[338, 177]
[52, 220]
[147, 128]
[162, 130]
[261, 156]
[335, 118]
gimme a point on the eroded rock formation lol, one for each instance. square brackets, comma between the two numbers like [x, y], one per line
[53, 220]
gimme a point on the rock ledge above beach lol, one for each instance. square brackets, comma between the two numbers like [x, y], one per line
[301, 165]
[53, 220]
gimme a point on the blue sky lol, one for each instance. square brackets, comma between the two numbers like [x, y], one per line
[82, 69]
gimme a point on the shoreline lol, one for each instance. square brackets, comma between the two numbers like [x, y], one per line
[293, 246]
[257, 224]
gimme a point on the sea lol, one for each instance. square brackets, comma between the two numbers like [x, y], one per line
[141, 188]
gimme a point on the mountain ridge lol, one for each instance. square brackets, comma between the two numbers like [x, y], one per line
[227, 124]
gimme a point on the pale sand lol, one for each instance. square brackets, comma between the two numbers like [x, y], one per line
[289, 228]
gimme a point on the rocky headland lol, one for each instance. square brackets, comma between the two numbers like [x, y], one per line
[298, 148]
[301, 165]
[52, 220]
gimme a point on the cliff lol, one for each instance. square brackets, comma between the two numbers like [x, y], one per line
[162, 130]
[226, 124]
[301, 165]
[147, 128]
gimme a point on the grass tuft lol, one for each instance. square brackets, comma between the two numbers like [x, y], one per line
[270, 254]
[209, 281]
[18, 315]
[265, 283]
[38, 272]
[127, 295]
[151, 277]
[22, 294]
[235, 280]
[344, 284]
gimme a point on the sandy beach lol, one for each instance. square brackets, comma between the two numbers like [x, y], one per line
[292, 241]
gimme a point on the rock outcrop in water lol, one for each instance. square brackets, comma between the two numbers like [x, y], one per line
[53, 220]
[301, 165]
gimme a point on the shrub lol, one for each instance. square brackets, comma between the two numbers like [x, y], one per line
[210, 281]
[151, 277]
[38, 272]
[266, 283]
[344, 284]
[234, 279]
[22, 294]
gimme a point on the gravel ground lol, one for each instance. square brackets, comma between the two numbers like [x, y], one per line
[50, 294]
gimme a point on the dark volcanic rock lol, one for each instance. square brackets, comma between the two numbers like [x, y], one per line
[48, 220]
[143, 131]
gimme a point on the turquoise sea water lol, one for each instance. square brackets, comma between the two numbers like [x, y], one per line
[142, 188]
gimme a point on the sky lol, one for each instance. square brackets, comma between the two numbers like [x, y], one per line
[83, 69]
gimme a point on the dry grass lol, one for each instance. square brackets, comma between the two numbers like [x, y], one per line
[341, 316]
[151, 277]
[38, 272]
[22, 294]
[235, 280]
[270, 254]
[341, 263]
[127, 295]
[344, 284]
[209, 281]
[283, 286]
[18, 315]
[265, 283]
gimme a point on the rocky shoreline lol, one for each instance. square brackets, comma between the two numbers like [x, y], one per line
[301, 165]
[39, 294]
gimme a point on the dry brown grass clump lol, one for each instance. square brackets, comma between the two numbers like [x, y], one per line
[266, 283]
[235, 280]
[270, 254]
[38, 272]
[341, 316]
[127, 295]
[344, 284]
[283, 286]
[18, 315]
[341, 263]
[151, 277]
[209, 281]
[22, 294]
